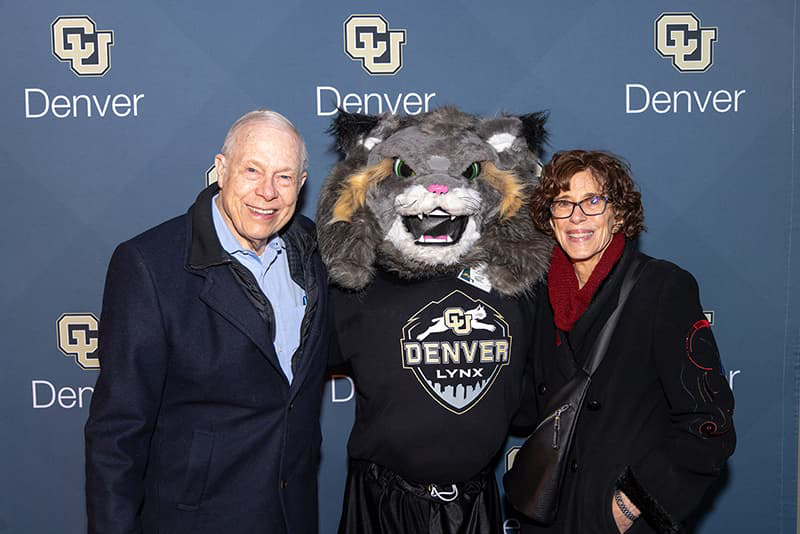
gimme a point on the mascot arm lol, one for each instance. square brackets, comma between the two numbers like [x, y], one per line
[336, 358]
[528, 414]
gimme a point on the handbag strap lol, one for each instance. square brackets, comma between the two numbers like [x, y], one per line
[632, 275]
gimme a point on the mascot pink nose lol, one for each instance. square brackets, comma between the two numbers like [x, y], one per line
[438, 189]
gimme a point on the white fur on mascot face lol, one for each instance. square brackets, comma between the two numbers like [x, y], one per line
[430, 194]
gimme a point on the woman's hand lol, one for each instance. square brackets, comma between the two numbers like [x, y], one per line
[623, 522]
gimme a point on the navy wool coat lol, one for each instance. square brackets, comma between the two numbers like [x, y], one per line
[193, 427]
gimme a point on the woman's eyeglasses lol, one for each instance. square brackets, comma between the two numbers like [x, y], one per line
[590, 206]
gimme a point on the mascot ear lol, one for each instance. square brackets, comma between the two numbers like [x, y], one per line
[534, 132]
[516, 139]
[502, 132]
[351, 132]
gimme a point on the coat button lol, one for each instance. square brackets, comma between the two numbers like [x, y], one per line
[574, 466]
[284, 484]
[542, 389]
[291, 406]
[594, 405]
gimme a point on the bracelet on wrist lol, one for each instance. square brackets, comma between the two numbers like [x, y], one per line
[622, 508]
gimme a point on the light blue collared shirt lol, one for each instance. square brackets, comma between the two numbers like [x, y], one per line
[271, 271]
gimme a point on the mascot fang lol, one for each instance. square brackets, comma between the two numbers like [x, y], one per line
[432, 254]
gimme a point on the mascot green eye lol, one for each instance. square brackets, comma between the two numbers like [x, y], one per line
[472, 171]
[402, 170]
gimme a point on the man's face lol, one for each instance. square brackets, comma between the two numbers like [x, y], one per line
[260, 179]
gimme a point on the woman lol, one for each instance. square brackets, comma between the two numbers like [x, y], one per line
[656, 425]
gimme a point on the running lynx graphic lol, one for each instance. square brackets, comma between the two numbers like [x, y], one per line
[459, 321]
[456, 347]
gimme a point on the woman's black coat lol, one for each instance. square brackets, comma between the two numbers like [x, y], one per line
[657, 422]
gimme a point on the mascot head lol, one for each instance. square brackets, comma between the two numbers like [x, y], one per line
[430, 194]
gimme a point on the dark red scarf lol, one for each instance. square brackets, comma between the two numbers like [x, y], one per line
[569, 302]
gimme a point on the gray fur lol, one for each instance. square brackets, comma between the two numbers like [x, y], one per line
[515, 253]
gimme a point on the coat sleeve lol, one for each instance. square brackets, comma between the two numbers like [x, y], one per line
[527, 415]
[133, 352]
[337, 359]
[542, 334]
[668, 483]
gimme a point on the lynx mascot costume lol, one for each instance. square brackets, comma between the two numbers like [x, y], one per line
[424, 231]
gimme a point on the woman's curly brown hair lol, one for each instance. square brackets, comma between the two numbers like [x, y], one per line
[611, 172]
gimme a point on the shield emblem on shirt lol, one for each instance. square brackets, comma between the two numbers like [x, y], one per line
[456, 347]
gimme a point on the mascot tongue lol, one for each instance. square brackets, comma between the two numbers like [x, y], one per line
[435, 230]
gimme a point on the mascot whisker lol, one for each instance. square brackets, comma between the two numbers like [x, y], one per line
[432, 255]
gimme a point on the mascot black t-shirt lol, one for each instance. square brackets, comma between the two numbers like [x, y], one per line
[431, 252]
[438, 366]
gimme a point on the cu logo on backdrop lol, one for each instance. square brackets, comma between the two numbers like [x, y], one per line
[77, 338]
[211, 175]
[367, 38]
[679, 37]
[78, 41]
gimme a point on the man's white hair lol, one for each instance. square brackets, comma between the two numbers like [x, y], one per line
[270, 118]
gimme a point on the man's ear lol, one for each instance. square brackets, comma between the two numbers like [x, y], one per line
[302, 180]
[219, 164]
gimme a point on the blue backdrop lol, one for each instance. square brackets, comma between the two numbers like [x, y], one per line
[111, 126]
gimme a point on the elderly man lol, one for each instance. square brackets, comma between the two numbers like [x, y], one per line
[205, 417]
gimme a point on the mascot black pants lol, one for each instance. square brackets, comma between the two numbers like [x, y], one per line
[378, 501]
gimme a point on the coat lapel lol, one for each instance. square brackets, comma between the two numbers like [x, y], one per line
[315, 351]
[224, 295]
[306, 333]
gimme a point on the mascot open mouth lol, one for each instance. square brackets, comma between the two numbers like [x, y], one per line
[435, 228]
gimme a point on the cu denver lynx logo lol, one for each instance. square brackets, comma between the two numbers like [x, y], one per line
[77, 41]
[679, 37]
[77, 338]
[367, 38]
[456, 348]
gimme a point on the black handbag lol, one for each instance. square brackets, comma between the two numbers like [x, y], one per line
[533, 484]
